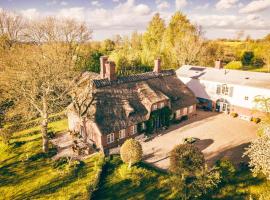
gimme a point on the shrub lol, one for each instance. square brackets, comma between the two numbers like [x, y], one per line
[186, 159]
[131, 152]
[226, 168]
[256, 120]
[234, 115]
[247, 57]
[234, 65]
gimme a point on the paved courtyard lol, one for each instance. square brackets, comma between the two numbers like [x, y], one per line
[220, 136]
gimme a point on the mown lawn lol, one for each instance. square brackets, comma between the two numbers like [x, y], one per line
[150, 184]
[153, 184]
[26, 173]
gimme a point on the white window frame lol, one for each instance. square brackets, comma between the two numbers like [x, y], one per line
[133, 129]
[122, 133]
[178, 114]
[162, 104]
[154, 106]
[185, 111]
[190, 109]
[246, 98]
[110, 138]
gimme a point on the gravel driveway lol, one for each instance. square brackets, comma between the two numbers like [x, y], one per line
[220, 136]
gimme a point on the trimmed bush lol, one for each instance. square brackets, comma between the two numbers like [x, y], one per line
[234, 65]
[234, 115]
[131, 152]
[256, 120]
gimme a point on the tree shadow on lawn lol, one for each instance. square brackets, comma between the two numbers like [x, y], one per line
[148, 188]
[55, 184]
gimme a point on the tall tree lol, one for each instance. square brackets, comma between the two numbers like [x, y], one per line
[12, 26]
[152, 40]
[183, 42]
[39, 75]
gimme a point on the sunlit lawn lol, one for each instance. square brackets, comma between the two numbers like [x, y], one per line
[150, 186]
[25, 173]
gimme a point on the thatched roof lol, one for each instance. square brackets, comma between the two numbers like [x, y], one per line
[128, 100]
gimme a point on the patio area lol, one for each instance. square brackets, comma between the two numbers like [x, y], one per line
[219, 136]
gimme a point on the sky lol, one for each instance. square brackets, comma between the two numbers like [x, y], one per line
[218, 18]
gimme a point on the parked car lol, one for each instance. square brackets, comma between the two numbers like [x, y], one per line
[190, 140]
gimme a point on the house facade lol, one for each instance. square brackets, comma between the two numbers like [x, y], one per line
[124, 107]
[224, 90]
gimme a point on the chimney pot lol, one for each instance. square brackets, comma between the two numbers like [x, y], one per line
[103, 60]
[110, 70]
[218, 64]
[157, 66]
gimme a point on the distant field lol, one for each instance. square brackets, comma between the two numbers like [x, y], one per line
[25, 172]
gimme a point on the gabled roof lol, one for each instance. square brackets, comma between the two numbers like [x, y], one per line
[246, 78]
[127, 101]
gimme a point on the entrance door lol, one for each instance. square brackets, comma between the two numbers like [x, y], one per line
[223, 107]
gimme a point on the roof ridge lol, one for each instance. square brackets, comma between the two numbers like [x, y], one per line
[132, 78]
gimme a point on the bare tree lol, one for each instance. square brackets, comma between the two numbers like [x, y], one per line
[12, 26]
[40, 74]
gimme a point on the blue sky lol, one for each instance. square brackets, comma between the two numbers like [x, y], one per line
[218, 18]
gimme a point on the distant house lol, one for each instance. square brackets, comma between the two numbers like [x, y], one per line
[123, 106]
[225, 90]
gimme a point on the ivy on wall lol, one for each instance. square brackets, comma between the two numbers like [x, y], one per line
[164, 115]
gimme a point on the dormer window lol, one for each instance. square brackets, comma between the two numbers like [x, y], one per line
[154, 106]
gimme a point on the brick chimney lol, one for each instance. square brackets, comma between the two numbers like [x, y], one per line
[103, 60]
[157, 66]
[110, 70]
[218, 64]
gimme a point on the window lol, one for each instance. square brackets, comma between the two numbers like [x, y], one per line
[185, 111]
[224, 89]
[246, 98]
[154, 106]
[122, 134]
[161, 104]
[178, 114]
[218, 89]
[133, 129]
[190, 109]
[110, 138]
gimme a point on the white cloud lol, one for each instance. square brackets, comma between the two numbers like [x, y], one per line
[225, 4]
[205, 6]
[163, 5]
[250, 22]
[30, 13]
[256, 6]
[63, 3]
[74, 13]
[96, 3]
[180, 4]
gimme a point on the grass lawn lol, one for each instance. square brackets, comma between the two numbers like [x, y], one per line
[150, 184]
[26, 173]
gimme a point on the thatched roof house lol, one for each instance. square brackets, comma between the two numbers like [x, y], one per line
[119, 105]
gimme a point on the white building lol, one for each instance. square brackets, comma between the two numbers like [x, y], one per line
[225, 90]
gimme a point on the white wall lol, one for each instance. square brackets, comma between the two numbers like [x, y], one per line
[207, 89]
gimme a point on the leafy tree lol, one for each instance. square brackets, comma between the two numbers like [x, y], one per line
[259, 149]
[247, 57]
[92, 63]
[185, 159]
[190, 178]
[131, 152]
[259, 154]
[183, 43]
[152, 40]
